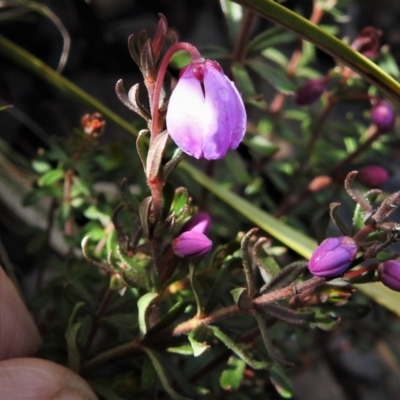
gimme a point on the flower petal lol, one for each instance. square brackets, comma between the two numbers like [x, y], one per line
[185, 116]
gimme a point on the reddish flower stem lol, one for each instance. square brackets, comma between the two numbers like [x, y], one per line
[196, 57]
[156, 183]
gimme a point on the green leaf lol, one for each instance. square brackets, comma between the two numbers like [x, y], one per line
[262, 326]
[173, 162]
[281, 382]
[41, 166]
[168, 197]
[269, 268]
[184, 350]
[51, 177]
[286, 314]
[324, 321]
[159, 368]
[148, 377]
[271, 37]
[233, 14]
[172, 314]
[273, 74]
[231, 377]
[155, 154]
[286, 276]
[214, 52]
[104, 391]
[71, 336]
[181, 201]
[142, 146]
[197, 291]
[144, 214]
[338, 219]
[180, 59]
[197, 339]
[243, 81]
[144, 303]
[221, 283]
[241, 298]
[388, 63]
[120, 320]
[360, 214]
[261, 145]
[247, 261]
[238, 349]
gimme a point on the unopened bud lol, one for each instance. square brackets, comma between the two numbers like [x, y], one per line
[383, 116]
[373, 175]
[191, 244]
[333, 257]
[310, 91]
[389, 274]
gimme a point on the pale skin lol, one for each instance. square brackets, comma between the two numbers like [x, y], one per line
[23, 377]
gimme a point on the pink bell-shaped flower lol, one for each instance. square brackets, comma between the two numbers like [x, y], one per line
[206, 115]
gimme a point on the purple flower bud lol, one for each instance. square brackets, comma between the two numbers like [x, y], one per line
[333, 257]
[310, 91]
[368, 41]
[373, 175]
[191, 244]
[383, 116]
[389, 273]
[198, 223]
[206, 115]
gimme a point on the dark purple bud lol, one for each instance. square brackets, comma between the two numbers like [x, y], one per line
[383, 116]
[206, 115]
[191, 244]
[200, 222]
[333, 257]
[310, 91]
[368, 41]
[373, 175]
[389, 273]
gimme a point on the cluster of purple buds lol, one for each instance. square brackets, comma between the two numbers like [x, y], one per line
[192, 241]
[333, 257]
[389, 274]
[383, 115]
[206, 115]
